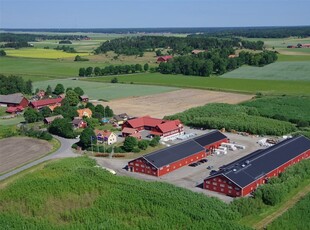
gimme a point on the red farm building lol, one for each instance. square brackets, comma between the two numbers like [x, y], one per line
[157, 127]
[169, 159]
[46, 102]
[164, 58]
[243, 176]
[15, 102]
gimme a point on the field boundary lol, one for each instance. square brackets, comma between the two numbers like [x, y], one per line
[55, 146]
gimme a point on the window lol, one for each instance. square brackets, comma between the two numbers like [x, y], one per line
[251, 188]
[229, 191]
[229, 182]
[214, 188]
[237, 193]
[148, 167]
[214, 179]
[196, 157]
[207, 182]
[137, 164]
[222, 185]
[142, 170]
[237, 189]
[214, 183]
[220, 180]
[229, 187]
[142, 166]
[222, 190]
[207, 186]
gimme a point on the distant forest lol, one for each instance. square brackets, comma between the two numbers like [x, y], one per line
[250, 32]
[18, 38]
[176, 45]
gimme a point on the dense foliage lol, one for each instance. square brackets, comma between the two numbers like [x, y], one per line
[66, 49]
[233, 117]
[44, 135]
[15, 45]
[216, 61]
[73, 194]
[110, 70]
[295, 109]
[178, 45]
[32, 115]
[2, 53]
[62, 127]
[276, 190]
[79, 58]
[14, 84]
[65, 42]
[297, 217]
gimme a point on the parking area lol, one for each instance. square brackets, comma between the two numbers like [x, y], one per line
[192, 177]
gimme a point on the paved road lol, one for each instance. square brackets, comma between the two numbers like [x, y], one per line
[64, 151]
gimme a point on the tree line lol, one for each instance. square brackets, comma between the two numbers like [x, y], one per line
[178, 45]
[66, 49]
[25, 37]
[15, 45]
[14, 84]
[216, 61]
[112, 70]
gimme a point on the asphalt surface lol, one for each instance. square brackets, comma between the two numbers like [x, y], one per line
[64, 151]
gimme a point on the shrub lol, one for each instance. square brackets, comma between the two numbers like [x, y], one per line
[136, 150]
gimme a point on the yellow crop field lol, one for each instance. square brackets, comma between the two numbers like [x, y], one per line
[41, 53]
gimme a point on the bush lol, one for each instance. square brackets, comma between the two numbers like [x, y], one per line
[143, 144]
[136, 150]
[155, 141]
[114, 80]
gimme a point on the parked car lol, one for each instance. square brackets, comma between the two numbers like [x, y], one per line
[203, 160]
[193, 164]
[213, 172]
[210, 167]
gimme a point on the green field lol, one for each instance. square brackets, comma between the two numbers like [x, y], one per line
[296, 70]
[11, 121]
[41, 53]
[297, 217]
[73, 194]
[40, 69]
[2, 111]
[268, 87]
[106, 91]
[293, 58]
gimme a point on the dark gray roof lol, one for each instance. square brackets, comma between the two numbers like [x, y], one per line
[174, 153]
[257, 164]
[15, 98]
[210, 138]
[77, 120]
[50, 119]
[84, 97]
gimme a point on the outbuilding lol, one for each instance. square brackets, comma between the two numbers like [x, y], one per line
[243, 176]
[13, 100]
[164, 58]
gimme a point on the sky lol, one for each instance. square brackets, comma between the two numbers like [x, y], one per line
[152, 13]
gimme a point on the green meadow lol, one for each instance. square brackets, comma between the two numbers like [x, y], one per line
[268, 87]
[295, 70]
[106, 91]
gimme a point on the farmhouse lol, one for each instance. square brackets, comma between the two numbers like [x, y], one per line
[106, 136]
[45, 102]
[85, 113]
[79, 123]
[157, 127]
[243, 176]
[164, 58]
[14, 100]
[120, 118]
[169, 159]
[49, 120]
[84, 98]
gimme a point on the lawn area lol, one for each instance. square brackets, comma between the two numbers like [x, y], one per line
[40, 53]
[269, 87]
[106, 91]
[296, 70]
[2, 111]
[292, 58]
[40, 69]
[12, 121]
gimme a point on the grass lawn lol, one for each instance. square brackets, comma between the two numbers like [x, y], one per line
[292, 58]
[2, 111]
[12, 121]
[269, 87]
[40, 53]
[106, 91]
[296, 70]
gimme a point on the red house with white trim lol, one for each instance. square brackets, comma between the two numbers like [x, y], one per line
[243, 176]
[158, 127]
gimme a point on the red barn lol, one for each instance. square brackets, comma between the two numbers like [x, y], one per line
[164, 58]
[14, 100]
[45, 102]
[158, 127]
[169, 159]
[243, 176]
